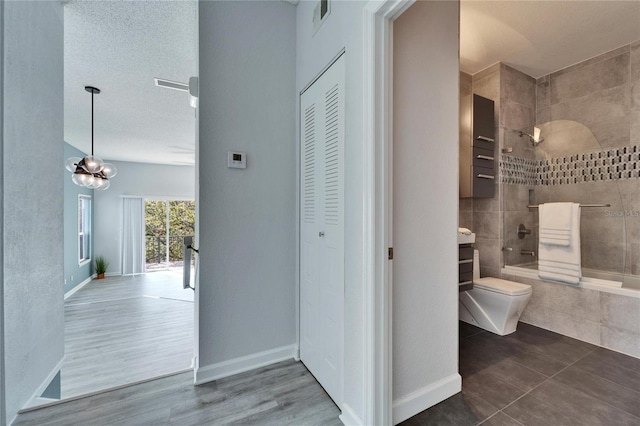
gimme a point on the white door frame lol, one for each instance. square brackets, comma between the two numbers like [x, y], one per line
[378, 206]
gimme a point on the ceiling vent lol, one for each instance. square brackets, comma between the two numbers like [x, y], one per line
[191, 88]
[320, 14]
[161, 82]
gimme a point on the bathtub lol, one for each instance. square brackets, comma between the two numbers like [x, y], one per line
[608, 282]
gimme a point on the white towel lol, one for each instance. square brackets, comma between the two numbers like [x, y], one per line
[556, 223]
[557, 262]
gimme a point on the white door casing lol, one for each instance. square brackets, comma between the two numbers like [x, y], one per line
[322, 109]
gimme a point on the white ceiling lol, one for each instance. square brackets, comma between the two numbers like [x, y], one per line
[540, 37]
[119, 47]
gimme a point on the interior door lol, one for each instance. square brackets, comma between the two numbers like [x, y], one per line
[322, 229]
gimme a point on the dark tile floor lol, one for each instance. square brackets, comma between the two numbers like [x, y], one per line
[535, 377]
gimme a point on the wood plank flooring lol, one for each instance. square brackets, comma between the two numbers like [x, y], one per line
[123, 330]
[280, 394]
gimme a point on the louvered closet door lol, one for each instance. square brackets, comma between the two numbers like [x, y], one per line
[322, 230]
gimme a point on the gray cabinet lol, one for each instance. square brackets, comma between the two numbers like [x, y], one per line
[465, 267]
[478, 171]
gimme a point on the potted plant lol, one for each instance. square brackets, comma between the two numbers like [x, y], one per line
[101, 266]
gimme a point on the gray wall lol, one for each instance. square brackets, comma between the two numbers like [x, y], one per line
[139, 179]
[247, 217]
[425, 115]
[73, 273]
[2, 384]
[33, 207]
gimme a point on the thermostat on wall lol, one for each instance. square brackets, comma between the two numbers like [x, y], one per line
[237, 160]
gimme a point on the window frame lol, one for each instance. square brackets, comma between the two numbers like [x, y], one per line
[84, 229]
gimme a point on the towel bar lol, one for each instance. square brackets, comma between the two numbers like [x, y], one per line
[535, 206]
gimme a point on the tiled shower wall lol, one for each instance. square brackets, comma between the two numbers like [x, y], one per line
[603, 94]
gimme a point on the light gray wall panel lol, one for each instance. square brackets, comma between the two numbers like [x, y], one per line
[425, 187]
[2, 398]
[33, 207]
[247, 217]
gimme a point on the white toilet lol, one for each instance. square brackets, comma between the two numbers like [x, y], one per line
[494, 304]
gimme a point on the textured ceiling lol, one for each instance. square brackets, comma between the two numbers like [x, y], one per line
[540, 37]
[119, 47]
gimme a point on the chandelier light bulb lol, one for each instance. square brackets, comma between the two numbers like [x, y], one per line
[80, 179]
[92, 164]
[93, 182]
[72, 163]
[105, 184]
[109, 170]
[77, 179]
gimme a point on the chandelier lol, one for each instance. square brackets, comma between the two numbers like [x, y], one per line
[91, 172]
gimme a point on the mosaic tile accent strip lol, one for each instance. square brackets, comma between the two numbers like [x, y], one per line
[614, 164]
[519, 171]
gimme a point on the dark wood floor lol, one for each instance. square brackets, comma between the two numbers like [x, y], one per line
[123, 330]
[534, 377]
[280, 394]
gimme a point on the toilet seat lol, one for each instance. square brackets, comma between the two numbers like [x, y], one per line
[498, 285]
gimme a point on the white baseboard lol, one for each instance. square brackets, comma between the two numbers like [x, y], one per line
[78, 287]
[349, 417]
[217, 371]
[36, 397]
[428, 396]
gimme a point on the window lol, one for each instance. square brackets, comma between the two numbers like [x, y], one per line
[84, 229]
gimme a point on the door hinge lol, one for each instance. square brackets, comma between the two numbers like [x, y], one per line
[390, 253]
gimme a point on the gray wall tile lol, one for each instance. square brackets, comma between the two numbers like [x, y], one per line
[634, 133]
[486, 83]
[635, 95]
[516, 116]
[516, 197]
[466, 204]
[591, 78]
[487, 224]
[517, 86]
[543, 115]
[465, 220]
[635, 258]
[635, 61]
[487, 204]
[584, 64]
[614, 133]
[620, 311]
[620, 340]
[543, 93]
[563, 323]
[490, 252]
[600, 106]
